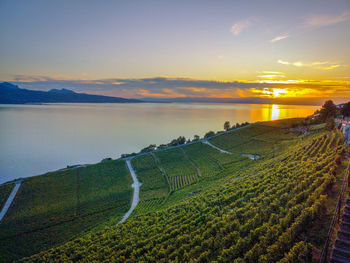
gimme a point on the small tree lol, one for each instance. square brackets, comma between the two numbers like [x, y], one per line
[196, 137]
[227, 125]
[345, 111]
[329, 110]
[209, 134]
[181, 140]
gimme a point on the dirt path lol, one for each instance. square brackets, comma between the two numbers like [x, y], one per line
[136, 185]
[10, 199]
[217, 148]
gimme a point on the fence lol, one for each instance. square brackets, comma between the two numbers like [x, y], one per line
[336, 216]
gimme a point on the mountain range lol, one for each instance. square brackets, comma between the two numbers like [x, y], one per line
[12, 94]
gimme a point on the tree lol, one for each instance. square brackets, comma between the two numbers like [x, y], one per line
[345, 111]
[196, 137]
[329, 110]
[181, 140]
[149, 148]
[227, 125]
[209, 134]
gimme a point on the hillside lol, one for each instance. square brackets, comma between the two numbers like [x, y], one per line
[53, 208]
[12, 94]
[197, 203]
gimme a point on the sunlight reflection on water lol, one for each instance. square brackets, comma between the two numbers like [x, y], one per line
[35, 139]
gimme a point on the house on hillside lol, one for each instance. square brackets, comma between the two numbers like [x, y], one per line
[344, 126]
[346, 132]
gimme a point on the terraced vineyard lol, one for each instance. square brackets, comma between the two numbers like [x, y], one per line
[154, 189]
[56, 207]
[246, 211]
[255, 139]
[205, 158]
[178, 169]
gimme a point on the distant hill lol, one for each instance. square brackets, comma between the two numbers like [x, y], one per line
[12, 94]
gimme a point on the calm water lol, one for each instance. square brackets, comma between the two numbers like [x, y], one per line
[35, 139]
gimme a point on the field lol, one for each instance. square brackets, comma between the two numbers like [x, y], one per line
[179, 170]
[154, 189]
[5, 191]
[256, 139]
[237, 210]
[53, 208]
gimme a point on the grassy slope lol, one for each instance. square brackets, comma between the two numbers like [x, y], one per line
[5, 191]
[282, 193]
[224, 177]
[53, 208]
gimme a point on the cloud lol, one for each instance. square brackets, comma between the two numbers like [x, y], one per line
[165, 87]
[298, 64]
[313, 22]
[270, 75]
[323, 65]
[326, 20]
[283, 62]
[278, 38]
[239, 26]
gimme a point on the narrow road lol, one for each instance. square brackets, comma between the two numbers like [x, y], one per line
[217, 148]
[10, 199]
[136, 185]
[252, 156]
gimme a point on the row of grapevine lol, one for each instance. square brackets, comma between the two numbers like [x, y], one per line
[180, 181]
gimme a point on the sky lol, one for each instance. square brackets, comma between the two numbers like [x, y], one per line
[295, 50]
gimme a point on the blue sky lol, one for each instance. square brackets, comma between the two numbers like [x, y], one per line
[45, 42]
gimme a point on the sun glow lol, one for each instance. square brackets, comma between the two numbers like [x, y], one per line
[278, 92]
[274, 92]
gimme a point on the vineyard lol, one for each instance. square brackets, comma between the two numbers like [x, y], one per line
[255, 139]
[53, 208]
[154, 188]
[5, 191]
[178, 169]
[270, 210]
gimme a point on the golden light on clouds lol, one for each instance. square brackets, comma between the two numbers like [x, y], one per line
[322, 65]
[274, 92]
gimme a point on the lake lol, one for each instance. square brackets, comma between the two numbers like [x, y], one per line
[35, 139]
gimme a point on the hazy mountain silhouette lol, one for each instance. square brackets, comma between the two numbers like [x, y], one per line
[12, 94]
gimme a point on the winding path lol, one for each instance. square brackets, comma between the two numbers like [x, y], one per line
[10, 199]
[217, 148]
[136, 185]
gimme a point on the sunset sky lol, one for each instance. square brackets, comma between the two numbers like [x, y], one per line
[295, 50]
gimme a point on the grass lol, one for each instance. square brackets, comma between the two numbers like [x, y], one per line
[317, 127]
[53, 208]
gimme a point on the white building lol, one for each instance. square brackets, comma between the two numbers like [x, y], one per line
[345, 128]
